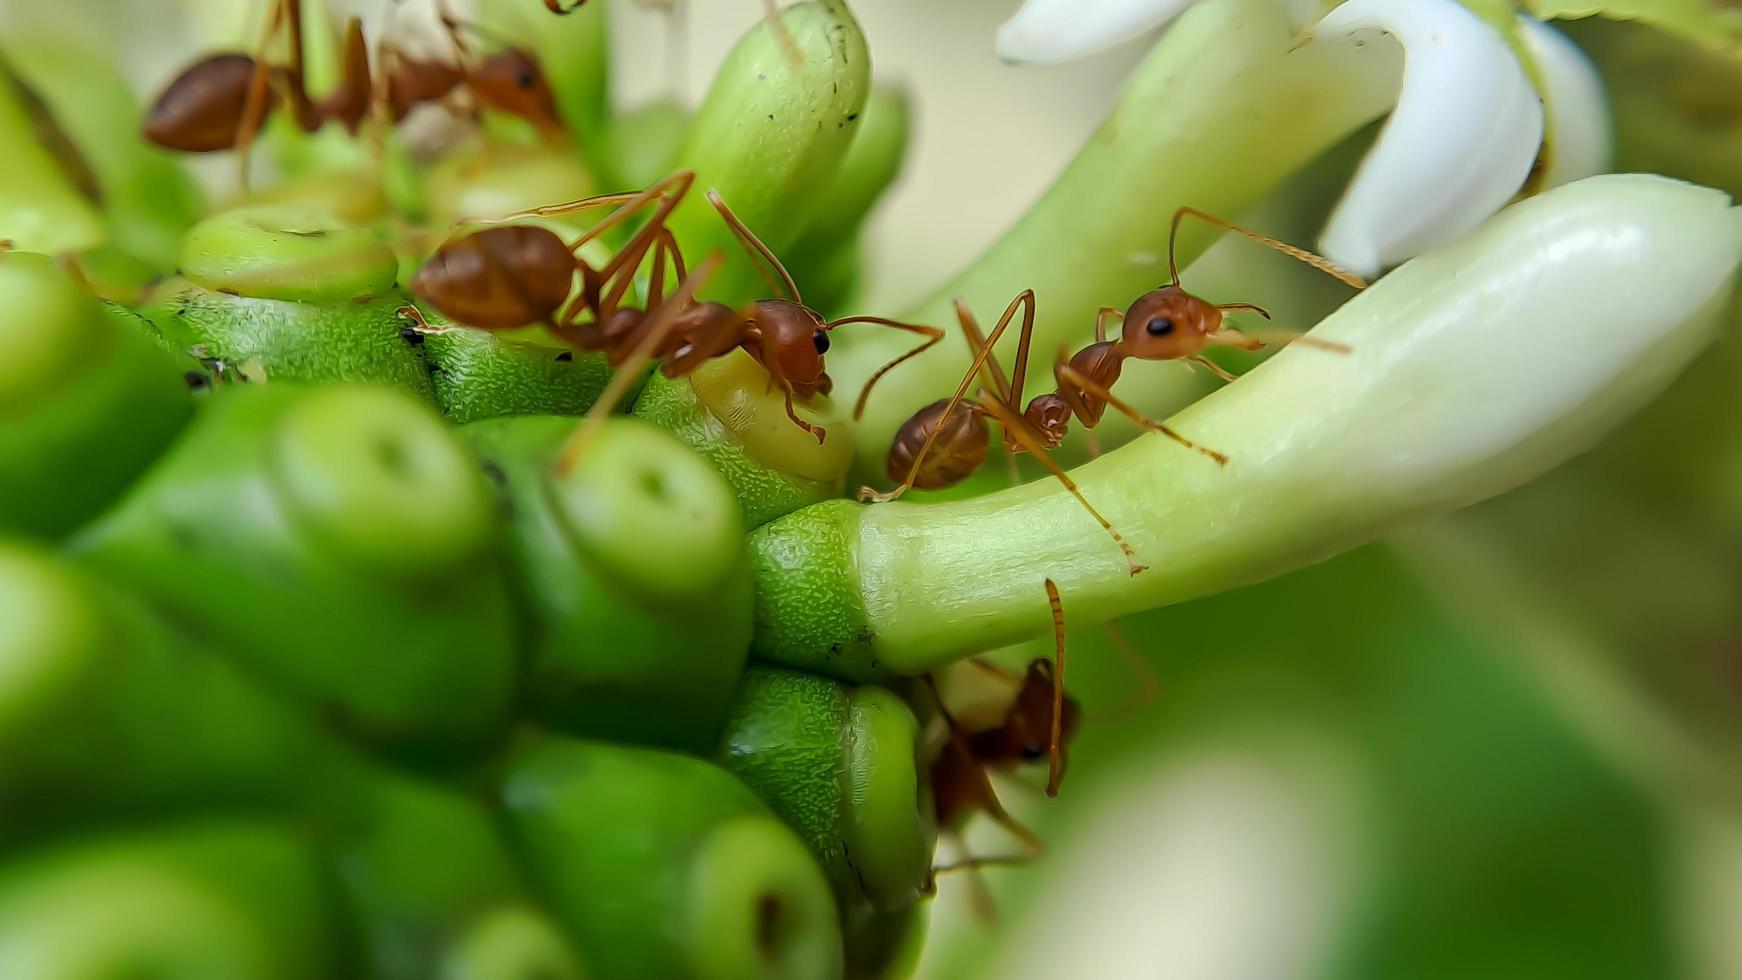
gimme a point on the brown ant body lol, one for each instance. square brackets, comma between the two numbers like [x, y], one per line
[516, 275]
[945, 441]
[222, 100]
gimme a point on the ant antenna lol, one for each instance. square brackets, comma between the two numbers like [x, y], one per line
[769, 265]
[1318, 262]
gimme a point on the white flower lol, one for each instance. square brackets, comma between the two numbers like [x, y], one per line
[1467, 129]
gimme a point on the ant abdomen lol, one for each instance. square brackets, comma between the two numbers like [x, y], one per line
[960, 447]
[202, 109]
[498, 278]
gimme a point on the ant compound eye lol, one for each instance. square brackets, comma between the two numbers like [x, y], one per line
[1161, 326]
[525, 78]
[821, 339]
[1032, 752]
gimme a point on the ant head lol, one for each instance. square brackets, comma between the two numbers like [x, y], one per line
[794, 338]
[512, 80]
[1168, 322]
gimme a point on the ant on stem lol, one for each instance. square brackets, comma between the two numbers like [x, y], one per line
[512, 275]
[1166, 323]
[945, 442]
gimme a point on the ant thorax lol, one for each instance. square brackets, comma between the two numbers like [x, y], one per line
[1102, 362]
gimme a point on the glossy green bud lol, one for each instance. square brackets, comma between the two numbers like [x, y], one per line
[288, 252]
[339, 539]
[103, 710]
[870, 819]
[662, 865]
[271, 340]
[825, 259]
[435, 889]
[209, 899]
[643, 145]
[726, 412]
[494, 179]
[147, 198]
[484, 374]
[47, 201]
[632, 569]
[85, 405]
[769, 137]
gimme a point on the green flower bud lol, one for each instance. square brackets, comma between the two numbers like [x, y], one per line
[103, 709]
[510, 942]
[484, 374]
[269, 340]
[726, 411]
[435, 889]
[490, 180]
[355, 197]
[643, 144]
[770, 137]
[664, 865]
[46, 200]
[236, 900]
[314, 530]
[147, 199]
[871, 824]
[287, 252]
[85, 405]
[825, 259]
[632, 566]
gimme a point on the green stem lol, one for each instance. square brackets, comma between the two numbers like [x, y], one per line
[1327, 450]
[1230, 103]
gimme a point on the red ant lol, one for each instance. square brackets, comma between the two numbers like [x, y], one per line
[222, 100]
[1038, 722]
[1166, 323]
[515, 275]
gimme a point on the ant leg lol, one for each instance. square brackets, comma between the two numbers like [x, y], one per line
[788, 44]
[1149, 685]
[1063, 370]
[1255, 340]
[758, 251]
[1055, 756]
[932, 335]
[1215, 368]
[1313, 259]
[1017, 426]
[660, 323]
[815, 430]
[255, 105]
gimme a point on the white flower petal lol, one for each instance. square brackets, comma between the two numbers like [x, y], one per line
[1458, 146]
[1580, 140]
[1047, 32]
